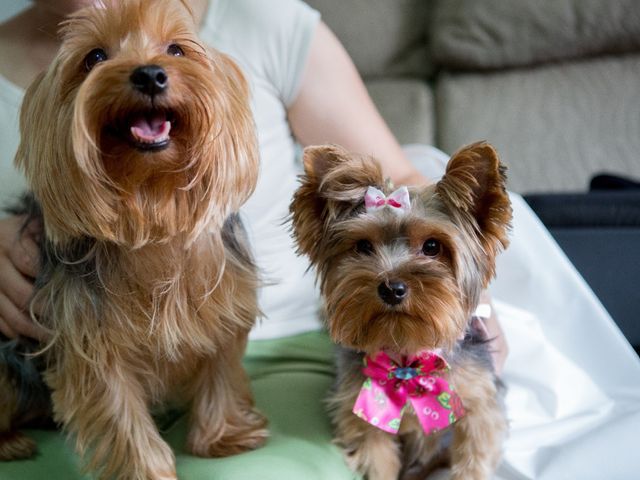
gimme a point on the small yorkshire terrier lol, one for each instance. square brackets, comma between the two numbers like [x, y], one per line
[401, 272]
[139, 147]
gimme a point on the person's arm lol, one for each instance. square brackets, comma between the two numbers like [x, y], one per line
[498, 343]
[333, 106]
[18, 266]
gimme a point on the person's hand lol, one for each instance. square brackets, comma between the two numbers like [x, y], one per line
[497, 342]
[19, 265]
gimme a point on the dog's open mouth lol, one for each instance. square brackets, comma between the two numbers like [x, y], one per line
[150, 130]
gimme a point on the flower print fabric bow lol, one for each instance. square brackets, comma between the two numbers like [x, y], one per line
[375, 200]
[420, 382]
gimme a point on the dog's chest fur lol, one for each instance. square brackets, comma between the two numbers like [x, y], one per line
[471, 370]
[159, 308]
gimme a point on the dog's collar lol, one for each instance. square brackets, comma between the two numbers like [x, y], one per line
[419, 381]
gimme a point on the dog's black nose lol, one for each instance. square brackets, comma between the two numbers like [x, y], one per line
[392, 293]
[149, 79]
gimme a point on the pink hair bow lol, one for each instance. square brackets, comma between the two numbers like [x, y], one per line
[399, 200]
[420, 382]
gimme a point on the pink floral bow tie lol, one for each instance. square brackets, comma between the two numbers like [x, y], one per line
[399, 200]
[420, 382]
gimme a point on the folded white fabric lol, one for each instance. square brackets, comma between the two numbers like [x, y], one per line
[573, 379]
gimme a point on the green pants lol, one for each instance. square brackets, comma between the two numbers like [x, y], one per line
[290, 378]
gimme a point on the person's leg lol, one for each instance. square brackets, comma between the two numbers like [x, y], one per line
[290, 378]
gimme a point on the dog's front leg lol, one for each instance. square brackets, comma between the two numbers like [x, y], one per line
[368, 450]
[477, 438]
[103, 405]
[223, 418]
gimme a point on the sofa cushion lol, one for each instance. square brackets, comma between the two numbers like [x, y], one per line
[383, 37]
[555, 126]
[494, 33]
[407, 107]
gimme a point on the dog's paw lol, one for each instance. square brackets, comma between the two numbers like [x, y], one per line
[235, 437]
[469, 471]
[16, 445]
[164, 476]
[372, 466]
[353, 459]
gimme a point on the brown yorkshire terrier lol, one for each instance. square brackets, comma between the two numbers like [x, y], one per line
[401, 272]
[139, 146]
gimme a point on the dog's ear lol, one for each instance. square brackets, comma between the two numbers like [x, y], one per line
[332, 187]
[188, 8]
[341, 178]
[475, 186]
[28, 116]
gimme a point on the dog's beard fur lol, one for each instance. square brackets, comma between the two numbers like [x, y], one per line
[468, 213]
[148, 286]
[89, 181]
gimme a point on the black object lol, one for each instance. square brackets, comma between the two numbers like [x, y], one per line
[602, 208]
[606, 181]
[150, 79]
[600, 233]
[392, 293]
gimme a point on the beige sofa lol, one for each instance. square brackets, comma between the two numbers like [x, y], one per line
[554, 84]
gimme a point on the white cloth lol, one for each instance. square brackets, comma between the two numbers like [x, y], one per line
[574, 381]
[12, 183]
[573, 397]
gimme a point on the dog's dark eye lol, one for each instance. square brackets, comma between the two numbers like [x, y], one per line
[175, 50]
[94, 57]
[364, 246]
[431, 247]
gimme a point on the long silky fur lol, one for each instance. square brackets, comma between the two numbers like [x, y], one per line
[109, 202]
[469, 213]
[147, 283]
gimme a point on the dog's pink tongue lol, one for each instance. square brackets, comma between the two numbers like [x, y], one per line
[151, 129]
